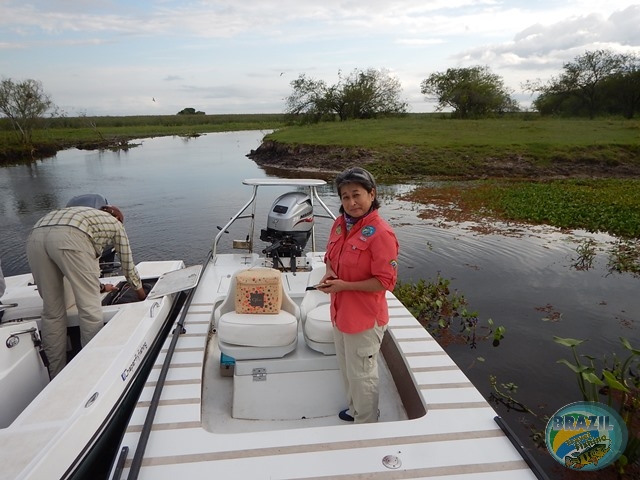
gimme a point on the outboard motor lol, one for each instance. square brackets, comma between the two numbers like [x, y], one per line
[93, 200]
[289, 226]
[108, 264]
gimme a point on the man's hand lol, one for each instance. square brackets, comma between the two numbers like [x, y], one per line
[108, 287]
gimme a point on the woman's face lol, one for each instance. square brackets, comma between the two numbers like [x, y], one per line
[356, 201]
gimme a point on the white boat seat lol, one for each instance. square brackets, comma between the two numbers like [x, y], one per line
[258, 330]
[257, 335]
[315, 315]
[318, 324]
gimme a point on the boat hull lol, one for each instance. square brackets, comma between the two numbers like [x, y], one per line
[198, 433]
[61, 432]
[271, 411]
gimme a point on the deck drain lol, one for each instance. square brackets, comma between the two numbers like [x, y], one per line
[391, 461]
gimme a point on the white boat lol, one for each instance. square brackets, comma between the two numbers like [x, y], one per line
[236, 395]
[57, 429]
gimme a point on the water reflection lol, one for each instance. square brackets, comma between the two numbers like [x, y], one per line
[175, 193]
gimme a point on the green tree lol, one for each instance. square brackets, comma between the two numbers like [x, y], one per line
[362, 94]
[470, 92]
[370, 93]
[190, 111]
[553, 97]
[310, 99]
[596, 82]
[621, 90]
[24, 103]
[585, 74]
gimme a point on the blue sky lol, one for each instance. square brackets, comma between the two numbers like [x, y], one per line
[115, 57]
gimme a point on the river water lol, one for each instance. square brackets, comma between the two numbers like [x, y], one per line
[175, 192]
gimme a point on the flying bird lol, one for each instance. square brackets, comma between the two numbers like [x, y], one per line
[154, 99]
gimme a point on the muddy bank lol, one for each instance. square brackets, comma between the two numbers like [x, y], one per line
[331, 159]
[313, 158]
[11, 155]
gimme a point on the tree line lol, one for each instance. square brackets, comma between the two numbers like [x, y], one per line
[595, 83]
[598, 82]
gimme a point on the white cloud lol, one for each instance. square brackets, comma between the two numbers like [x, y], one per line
[546, 47]
[107, 56]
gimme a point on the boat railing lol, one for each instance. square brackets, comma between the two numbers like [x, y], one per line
[311, 184]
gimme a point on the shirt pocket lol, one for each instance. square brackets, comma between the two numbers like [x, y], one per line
[354, 253]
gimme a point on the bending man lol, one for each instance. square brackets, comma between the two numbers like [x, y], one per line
[66, 243]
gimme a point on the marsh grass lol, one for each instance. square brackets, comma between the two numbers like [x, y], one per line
[64, 132]
[602, 205]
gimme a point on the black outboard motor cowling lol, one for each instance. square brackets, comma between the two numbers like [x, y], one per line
[289, 226]
[93, 200]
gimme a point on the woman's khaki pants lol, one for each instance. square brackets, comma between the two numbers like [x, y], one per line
[357, 356]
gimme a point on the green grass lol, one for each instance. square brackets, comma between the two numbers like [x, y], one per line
[435, 131]
[145, 123]
[430, 145]
[64, 132]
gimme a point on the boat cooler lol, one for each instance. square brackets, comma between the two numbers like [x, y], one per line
[258, 291]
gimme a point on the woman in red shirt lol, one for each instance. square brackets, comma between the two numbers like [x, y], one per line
[361, 262]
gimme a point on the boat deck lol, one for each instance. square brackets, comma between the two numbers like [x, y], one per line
[439, 426]
[217, 397]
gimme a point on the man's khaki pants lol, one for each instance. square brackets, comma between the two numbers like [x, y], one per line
[55, 253]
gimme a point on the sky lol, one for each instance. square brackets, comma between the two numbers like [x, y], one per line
[156, 57]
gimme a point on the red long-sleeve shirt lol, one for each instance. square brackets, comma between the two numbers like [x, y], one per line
[369, 249]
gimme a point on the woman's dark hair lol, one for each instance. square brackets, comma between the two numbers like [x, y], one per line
[362, 177]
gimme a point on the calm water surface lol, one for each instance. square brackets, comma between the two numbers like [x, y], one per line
[175, 192]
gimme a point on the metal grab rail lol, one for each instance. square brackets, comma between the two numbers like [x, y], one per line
[312, 184]
[12, 339]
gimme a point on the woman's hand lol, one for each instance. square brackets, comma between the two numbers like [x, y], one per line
[328, 284]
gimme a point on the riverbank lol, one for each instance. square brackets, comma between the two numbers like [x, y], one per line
[586, 162]
[120, 133]
[428, 146]
[591, 196]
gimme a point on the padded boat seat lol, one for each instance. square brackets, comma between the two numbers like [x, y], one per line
[315, 315]
[318, 328]
[257, 330]
[257, 334]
